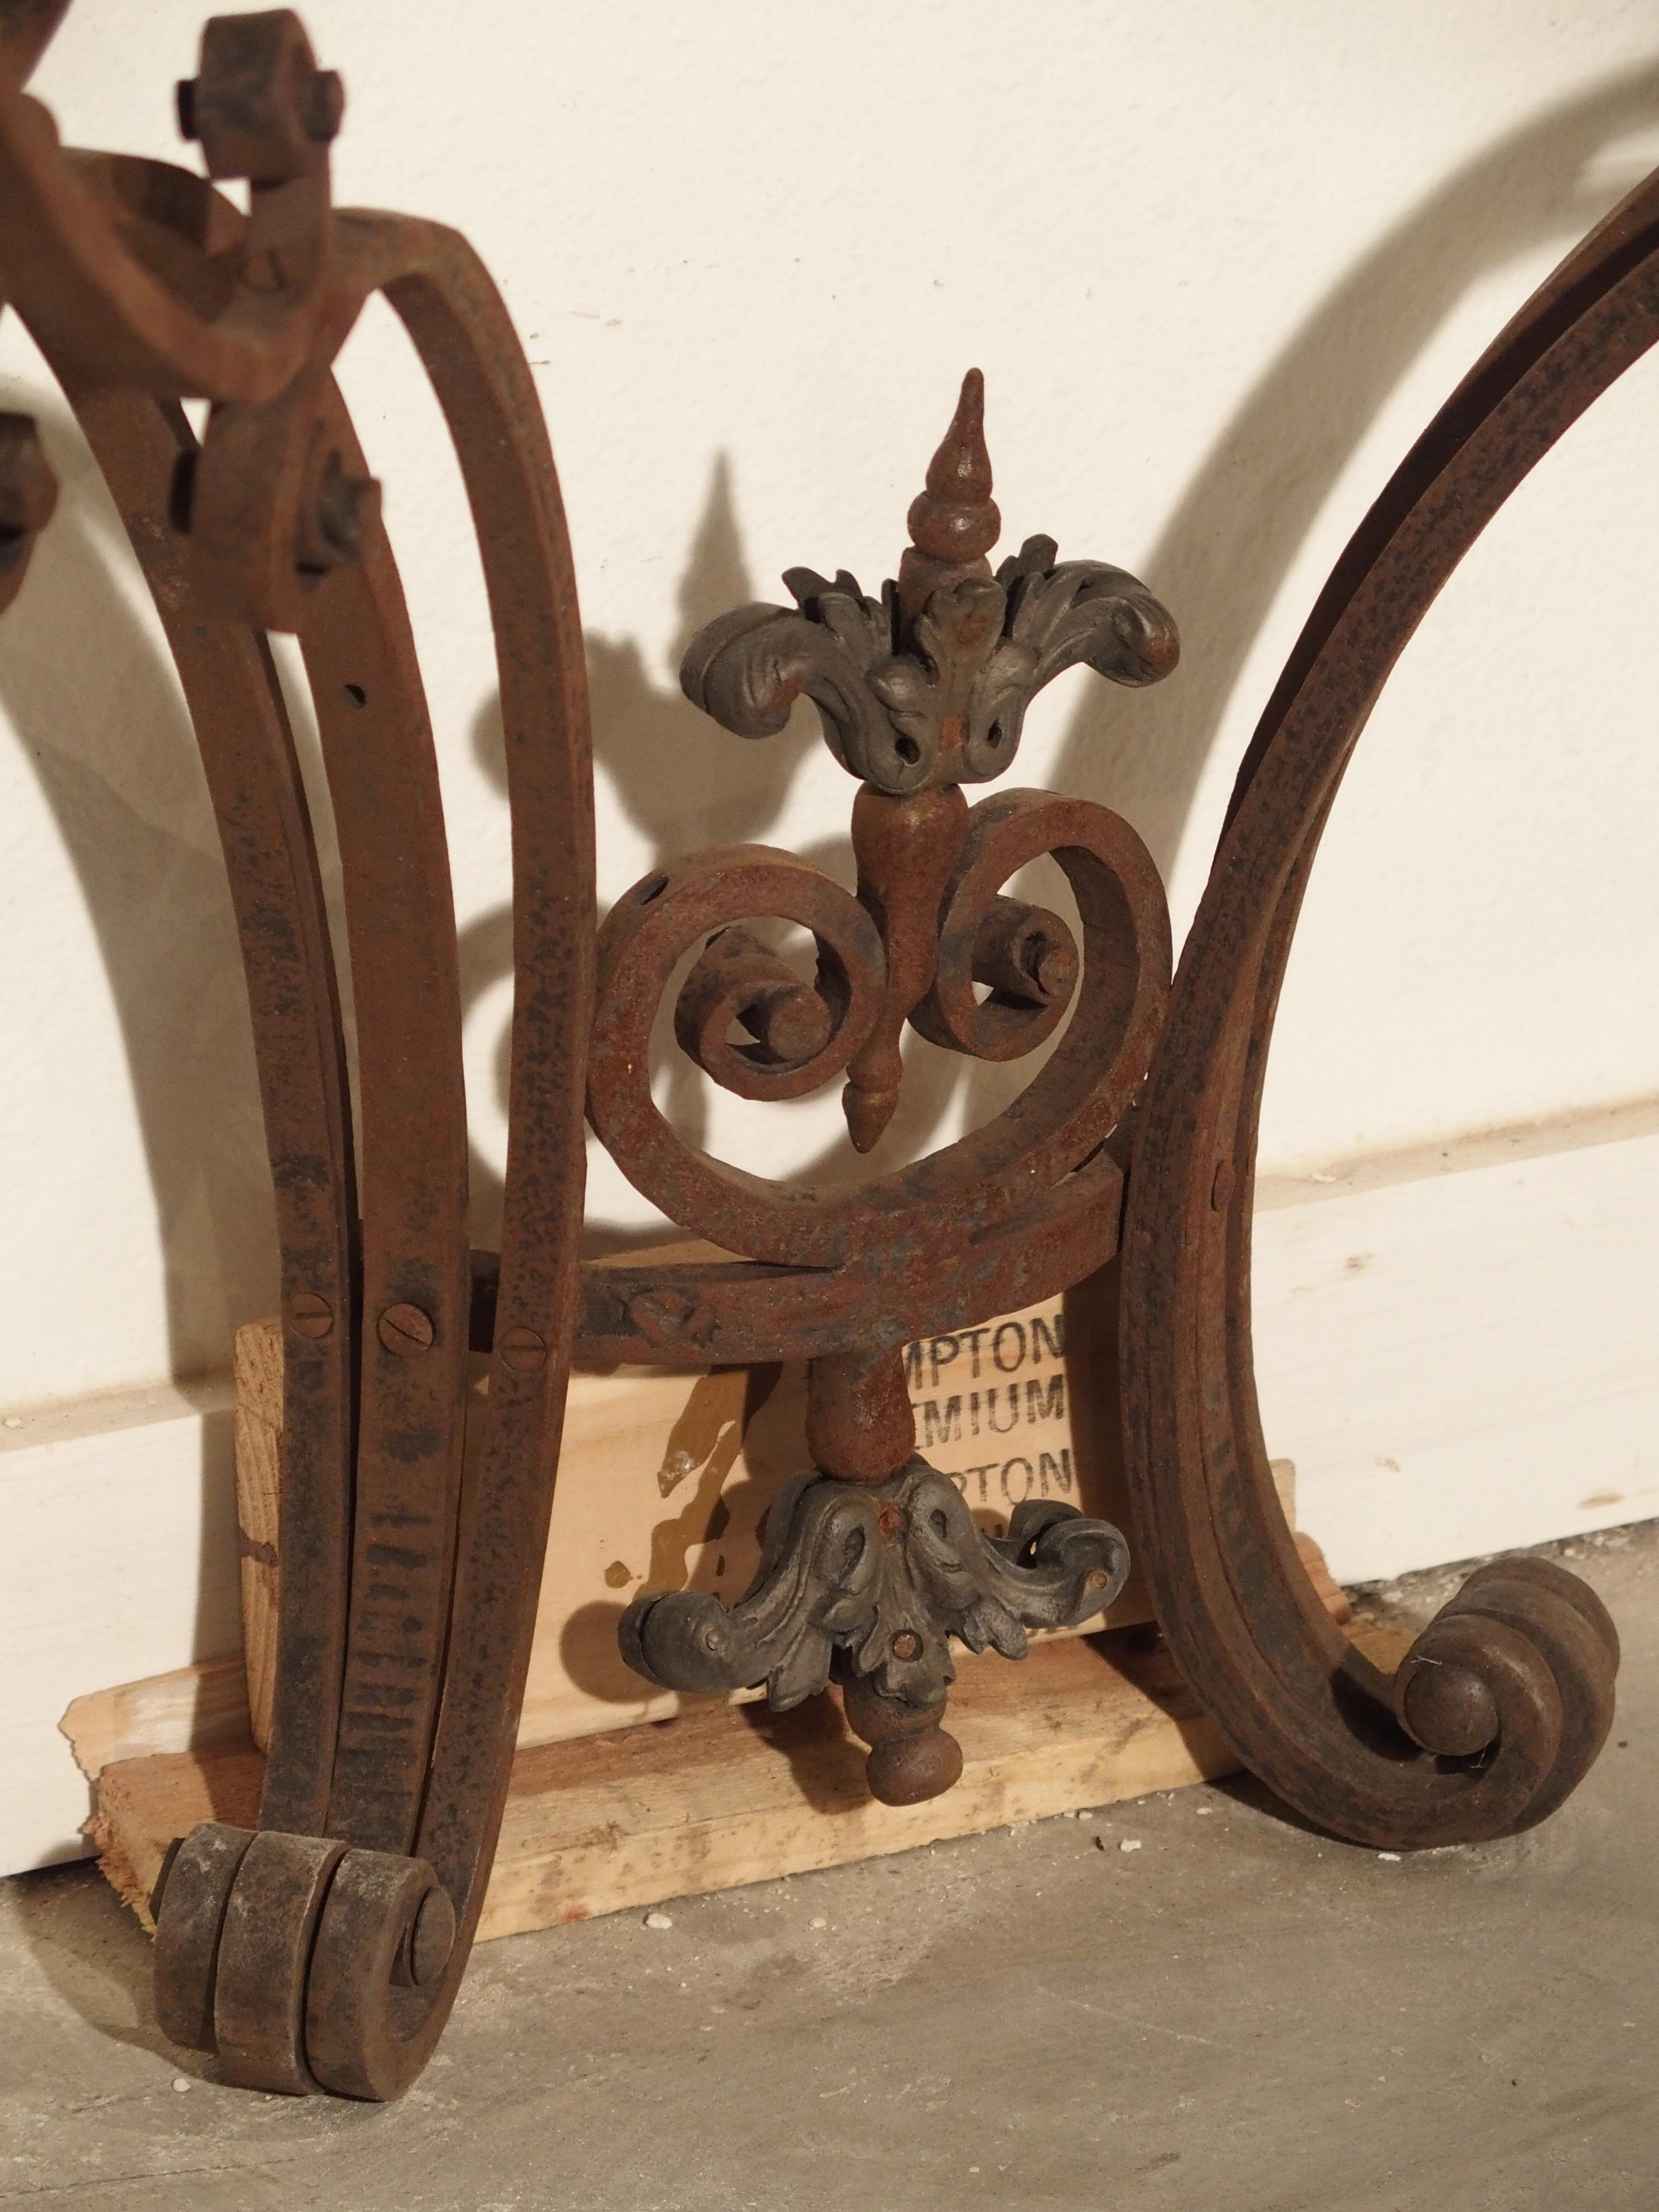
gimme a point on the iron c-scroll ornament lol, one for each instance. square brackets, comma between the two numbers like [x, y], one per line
[1503, 1702]
[872, 1561]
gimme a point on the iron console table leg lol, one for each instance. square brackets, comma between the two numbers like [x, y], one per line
[323, 1949]
[1500, 1706]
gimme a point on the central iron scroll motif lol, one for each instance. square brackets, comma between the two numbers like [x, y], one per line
[872, 1561]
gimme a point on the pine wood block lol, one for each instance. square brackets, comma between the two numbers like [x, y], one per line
[199, 1708]
[259, 1368]
[725, 1795]
[733, 1794]
[713, 1798]
[736, 1795]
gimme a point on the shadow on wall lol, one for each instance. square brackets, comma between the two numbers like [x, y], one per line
[1230, 542]
[1219, 563]
[681, 790]
[105, 743]
[95, 706]
[99, 716]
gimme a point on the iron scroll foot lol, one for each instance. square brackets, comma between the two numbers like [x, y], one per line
[1505, 1698]
[870, 1582]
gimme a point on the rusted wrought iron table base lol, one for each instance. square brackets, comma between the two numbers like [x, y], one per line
[324, 1948]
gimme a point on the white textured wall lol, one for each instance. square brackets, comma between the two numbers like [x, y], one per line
[1218, 262]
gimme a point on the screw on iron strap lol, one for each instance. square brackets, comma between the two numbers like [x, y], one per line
[310, 1315]
[522, 1350]
[405, 1329]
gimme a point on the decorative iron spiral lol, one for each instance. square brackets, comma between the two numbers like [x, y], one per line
[806, 1033]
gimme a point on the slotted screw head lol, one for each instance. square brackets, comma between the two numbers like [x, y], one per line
[405, 1330]
[522, 1350]
[310, 1315]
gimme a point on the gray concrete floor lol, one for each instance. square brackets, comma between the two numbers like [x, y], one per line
[1238, 2014]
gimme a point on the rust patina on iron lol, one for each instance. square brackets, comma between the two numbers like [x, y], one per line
[323, 1948]
[1500, 1706]
[872, 1563]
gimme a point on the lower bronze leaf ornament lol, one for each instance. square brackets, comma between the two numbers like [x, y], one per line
[322, 1948]
[876, 1578]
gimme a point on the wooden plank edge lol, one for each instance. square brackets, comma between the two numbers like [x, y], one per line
[734, 1795]
[194, 1708]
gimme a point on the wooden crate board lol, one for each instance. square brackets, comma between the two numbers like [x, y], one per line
[196, 1708]
[664, 1476]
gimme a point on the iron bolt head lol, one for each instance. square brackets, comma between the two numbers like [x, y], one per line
[323, 108]
[522, 1350]
[432, 1938]
[669, 1316]
[890, 1520]
[405, 1330]
[347, 509]
[1052, 967]
[336, 518]
[258, 104]
[793, 1025]
[907, 1645]
[310, 1316]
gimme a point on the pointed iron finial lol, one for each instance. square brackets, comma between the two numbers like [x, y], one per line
[954, 523]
